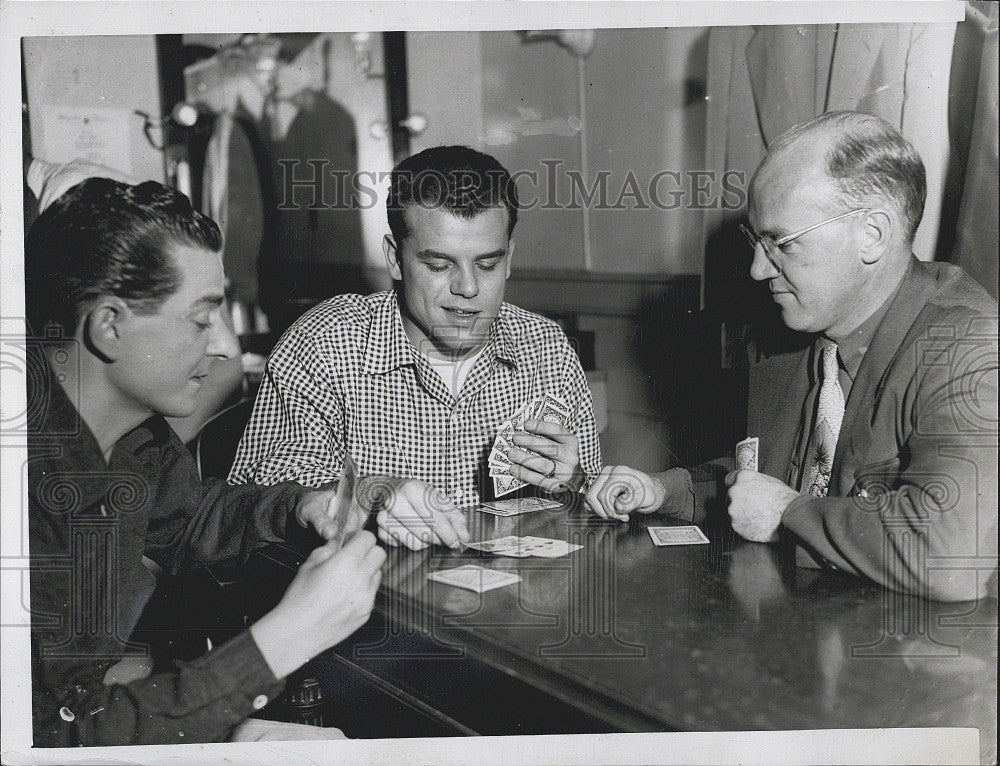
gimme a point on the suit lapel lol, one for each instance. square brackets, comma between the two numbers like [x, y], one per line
[856, 429]
[779, 394]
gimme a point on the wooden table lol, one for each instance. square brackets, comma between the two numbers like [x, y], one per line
[626, 636]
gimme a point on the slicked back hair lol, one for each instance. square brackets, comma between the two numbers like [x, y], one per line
[105, 237]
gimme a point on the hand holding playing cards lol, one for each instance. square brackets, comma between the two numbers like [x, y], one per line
[331, 596]
[553, 463]
[316, 510]
[413, 513]
[620, 490]
[756, 504]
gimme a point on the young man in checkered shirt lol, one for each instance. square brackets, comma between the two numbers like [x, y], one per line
[414, 383]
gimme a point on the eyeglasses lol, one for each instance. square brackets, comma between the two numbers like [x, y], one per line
[771, 246]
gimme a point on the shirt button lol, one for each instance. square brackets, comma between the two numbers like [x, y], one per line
[259, 701]
[66, 714]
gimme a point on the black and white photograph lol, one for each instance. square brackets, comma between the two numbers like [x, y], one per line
[499, 382]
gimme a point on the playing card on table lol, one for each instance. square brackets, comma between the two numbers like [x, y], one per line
[746, 453]
[474, 578]
[519, 505]
[677, 535]
[501, 546]
[522, 547]
[546, 547]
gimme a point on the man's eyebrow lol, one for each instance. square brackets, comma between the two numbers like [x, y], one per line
[428, 254]
[500, 253]
[208, 301]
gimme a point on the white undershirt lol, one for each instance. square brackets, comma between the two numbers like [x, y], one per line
[454, 372]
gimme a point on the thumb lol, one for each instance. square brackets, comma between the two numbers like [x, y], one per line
[320, 554]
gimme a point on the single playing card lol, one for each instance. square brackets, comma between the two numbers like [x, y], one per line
[545, 547]
[504, 485]
[553, 410]
[677, 535]
[501, 546]
[519, 505]
[517, 421]
[746, 453]
[499, 463]
[474, 578]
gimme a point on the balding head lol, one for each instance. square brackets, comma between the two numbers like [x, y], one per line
[867, 160]
[834, 206]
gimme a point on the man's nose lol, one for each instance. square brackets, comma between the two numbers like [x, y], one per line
[465, 283]
[762, 267]
[222, 343]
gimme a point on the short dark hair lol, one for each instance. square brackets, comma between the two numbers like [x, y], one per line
[105, 237]
[869, 159]
[460, 179]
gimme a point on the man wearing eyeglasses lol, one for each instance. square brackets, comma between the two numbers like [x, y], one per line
[877, 441]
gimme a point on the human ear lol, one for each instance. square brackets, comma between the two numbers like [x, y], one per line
[103, 327]
[392, 256]
[510, 256]
[876, 235]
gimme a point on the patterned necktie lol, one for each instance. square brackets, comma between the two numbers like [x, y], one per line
[829, 415]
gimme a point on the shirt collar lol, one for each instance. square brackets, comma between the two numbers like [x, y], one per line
[852, 349]
[63, 441]
[389, 347]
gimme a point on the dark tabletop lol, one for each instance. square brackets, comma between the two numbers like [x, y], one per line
[716, 637]
[723, 636]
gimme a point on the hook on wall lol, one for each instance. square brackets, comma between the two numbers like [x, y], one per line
[184, 115]
[579, 42]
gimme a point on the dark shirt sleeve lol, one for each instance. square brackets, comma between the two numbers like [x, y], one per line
[82, 615]
[198, 701]
[692, 493]
[196, 524]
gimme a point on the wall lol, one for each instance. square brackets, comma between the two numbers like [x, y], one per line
[102, 80]
[519, 100]
[645, 113]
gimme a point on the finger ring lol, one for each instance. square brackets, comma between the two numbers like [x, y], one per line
[552, 471]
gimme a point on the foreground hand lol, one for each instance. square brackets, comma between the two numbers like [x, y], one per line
[620, 490]
[331, 597]
[317, 509]
[756, 504]
[556, 465]
[413, 513]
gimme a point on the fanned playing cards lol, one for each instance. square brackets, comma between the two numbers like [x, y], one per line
[547, 407]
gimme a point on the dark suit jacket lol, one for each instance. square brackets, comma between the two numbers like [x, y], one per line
[913, 493]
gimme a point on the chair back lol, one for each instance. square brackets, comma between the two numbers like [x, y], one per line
[215, 446]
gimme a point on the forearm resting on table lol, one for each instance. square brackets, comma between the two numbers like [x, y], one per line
[679, 498]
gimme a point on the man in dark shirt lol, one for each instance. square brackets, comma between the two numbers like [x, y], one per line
[124, 288]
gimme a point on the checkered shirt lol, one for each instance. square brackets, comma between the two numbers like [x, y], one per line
[346, 377]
